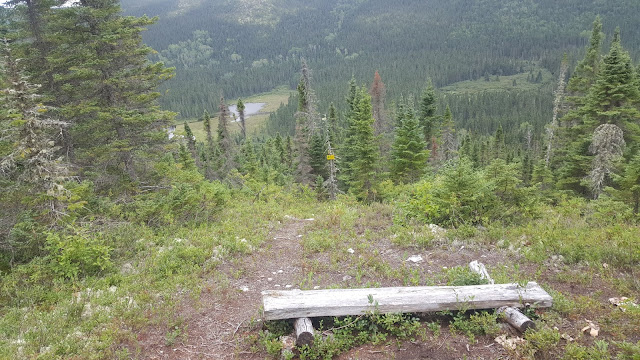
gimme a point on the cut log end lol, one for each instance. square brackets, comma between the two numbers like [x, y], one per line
[304, 332]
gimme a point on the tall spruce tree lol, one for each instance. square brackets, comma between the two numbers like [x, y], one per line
[33, 25]
[558, 108]
[427, 114]
[409, 157]
[586, 71]
[108, 90]
[307, 125]
[629, 184]
[318, 156]
[243, 126]
[363, 148]
[449, 142]
[225, 143]
[210, 150]
[499, 143]
[570, 154]
[31, 136]
[224, 137]
[334, 126]
[191, 144]
[612, 99]
[378, 93]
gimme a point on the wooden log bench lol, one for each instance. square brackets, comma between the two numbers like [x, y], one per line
[294, 304]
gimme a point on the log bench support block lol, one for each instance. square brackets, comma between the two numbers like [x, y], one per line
[304, 331]
[517, 319]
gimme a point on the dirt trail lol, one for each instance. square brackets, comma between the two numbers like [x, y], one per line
[217, 324]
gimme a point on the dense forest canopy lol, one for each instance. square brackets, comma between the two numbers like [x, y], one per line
[247, 47]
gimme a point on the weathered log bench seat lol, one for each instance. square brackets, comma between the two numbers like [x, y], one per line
[293, 304]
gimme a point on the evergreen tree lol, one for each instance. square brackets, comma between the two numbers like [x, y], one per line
[351, 96]
[614, 97]
[206, 124]
[191, 143]
[611, 100]
[427, 117]
[185, 158]
[409, 157]
[499, 143]
[110, 100]
[362, 151]
[629, 184]
[250, 163]
[280, 150]
[289, 153]
[224, 137]
[542, 177]
[318, 156]
[449, 147]
[467, 147]
[586, 71]
[539, 77]
[307, 119]
[31, 136]
[505, 179]
[243, 126]
[378, 92]
[334, 126]
[461, 194]
[210, 154]
[33, 22]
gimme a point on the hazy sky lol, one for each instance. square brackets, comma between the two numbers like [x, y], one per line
[69, 2]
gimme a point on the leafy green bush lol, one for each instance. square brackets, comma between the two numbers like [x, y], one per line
[542, 341]
[599, 351]
[462, 276]
[606, 211]
[459, 194]
[477, 324]
[77, 254]
[177, 258]
[184, 202]
[628, 351]
[24, 241]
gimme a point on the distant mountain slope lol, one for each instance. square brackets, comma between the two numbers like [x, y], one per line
[250, 46]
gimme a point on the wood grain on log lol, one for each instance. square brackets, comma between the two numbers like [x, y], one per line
[304, 331]
[292, 304]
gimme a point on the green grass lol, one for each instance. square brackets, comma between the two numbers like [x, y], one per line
[272, 99]
[504, 84]
[46, 316]
[156, 268]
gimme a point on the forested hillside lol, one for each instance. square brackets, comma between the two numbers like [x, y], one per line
[141, 217]
[246, 47]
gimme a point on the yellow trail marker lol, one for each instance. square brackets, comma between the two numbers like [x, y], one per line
[331, 157]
